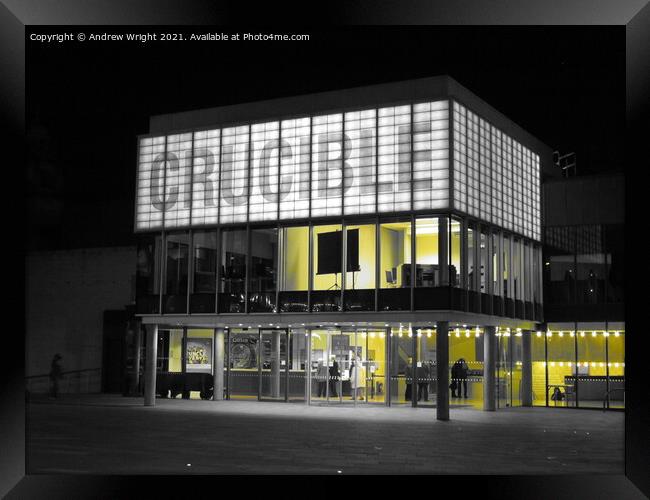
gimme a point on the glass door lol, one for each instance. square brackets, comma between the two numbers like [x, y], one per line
[374, 365]
[243, 360]
[401, 366]
[343, 350]
[320, 366]
[504, 370]
[273, 364]
[298, 368]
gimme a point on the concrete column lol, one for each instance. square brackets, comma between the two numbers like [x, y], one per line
[489, 368]
[219, 351]
[275, 364]
[526, 369]
[135, 389]
[150, 366]
[442, 370]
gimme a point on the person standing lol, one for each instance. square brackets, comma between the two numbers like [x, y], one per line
[358, 379]
[459, 378]
[56, 373]
[423, 381]
[408, 374]
[334, 377]
[321, 376]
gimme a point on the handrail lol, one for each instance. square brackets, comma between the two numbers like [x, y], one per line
[606, 397]
[65, 373]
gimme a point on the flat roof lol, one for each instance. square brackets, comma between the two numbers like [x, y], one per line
[352, 98]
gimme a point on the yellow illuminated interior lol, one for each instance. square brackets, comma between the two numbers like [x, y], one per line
[296, 259]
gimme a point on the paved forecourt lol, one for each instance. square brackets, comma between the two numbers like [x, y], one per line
[115, 435]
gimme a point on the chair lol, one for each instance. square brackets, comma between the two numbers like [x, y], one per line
[570, 394]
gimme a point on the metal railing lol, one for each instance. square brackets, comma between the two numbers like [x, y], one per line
[72, 382]
[606, 397]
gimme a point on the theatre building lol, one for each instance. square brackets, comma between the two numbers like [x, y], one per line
[379, 245]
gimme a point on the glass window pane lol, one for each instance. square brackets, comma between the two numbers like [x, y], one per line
[148, 274]
[176, 269]
[561, 368]
[455, 237]
[616, 367]
[466, 367]
[427, 272]
[198, 362]
[592, 365]
[204, 287]
[538, 357]
[263, 271]
[243, 358]
[360, 275]
[394, 267]
[234, 249]
[327, 268]
[294, 268]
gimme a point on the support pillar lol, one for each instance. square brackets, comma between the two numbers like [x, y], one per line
[150, 365]
[275, 364]
[135, 388]
[219, 351]
[526, 369]
[489, 368]
[442, 370]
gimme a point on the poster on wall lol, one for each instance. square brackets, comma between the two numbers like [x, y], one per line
[199, 355]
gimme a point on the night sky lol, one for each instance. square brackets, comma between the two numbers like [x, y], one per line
[86, 102]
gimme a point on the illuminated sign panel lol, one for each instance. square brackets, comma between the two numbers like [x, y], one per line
[380, 160]
[496, 179]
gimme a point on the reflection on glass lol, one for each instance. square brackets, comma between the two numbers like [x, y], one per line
[243, 360]
[148, 274]
[176, 269]
[204, 289]
[263, 271]
[401, 371]
[360, 275]
[274, 364]
[233, 271]
[298, 369]
[294, 269]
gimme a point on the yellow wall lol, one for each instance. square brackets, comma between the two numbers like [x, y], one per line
[366, 277]
[175, 350]
[296, 258]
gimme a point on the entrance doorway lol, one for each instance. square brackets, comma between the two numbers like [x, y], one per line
[348, 367]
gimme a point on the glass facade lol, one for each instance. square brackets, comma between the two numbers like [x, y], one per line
[395, 365]
[258, 269]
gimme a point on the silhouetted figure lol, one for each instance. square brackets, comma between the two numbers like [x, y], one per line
[56, 373]
[321, 375]
[408, 372]
[334, 377]
[423, 381]
[459, 378]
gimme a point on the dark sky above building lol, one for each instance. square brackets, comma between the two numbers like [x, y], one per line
[86, 102]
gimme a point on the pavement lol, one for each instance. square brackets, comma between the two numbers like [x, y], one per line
[110, 434]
